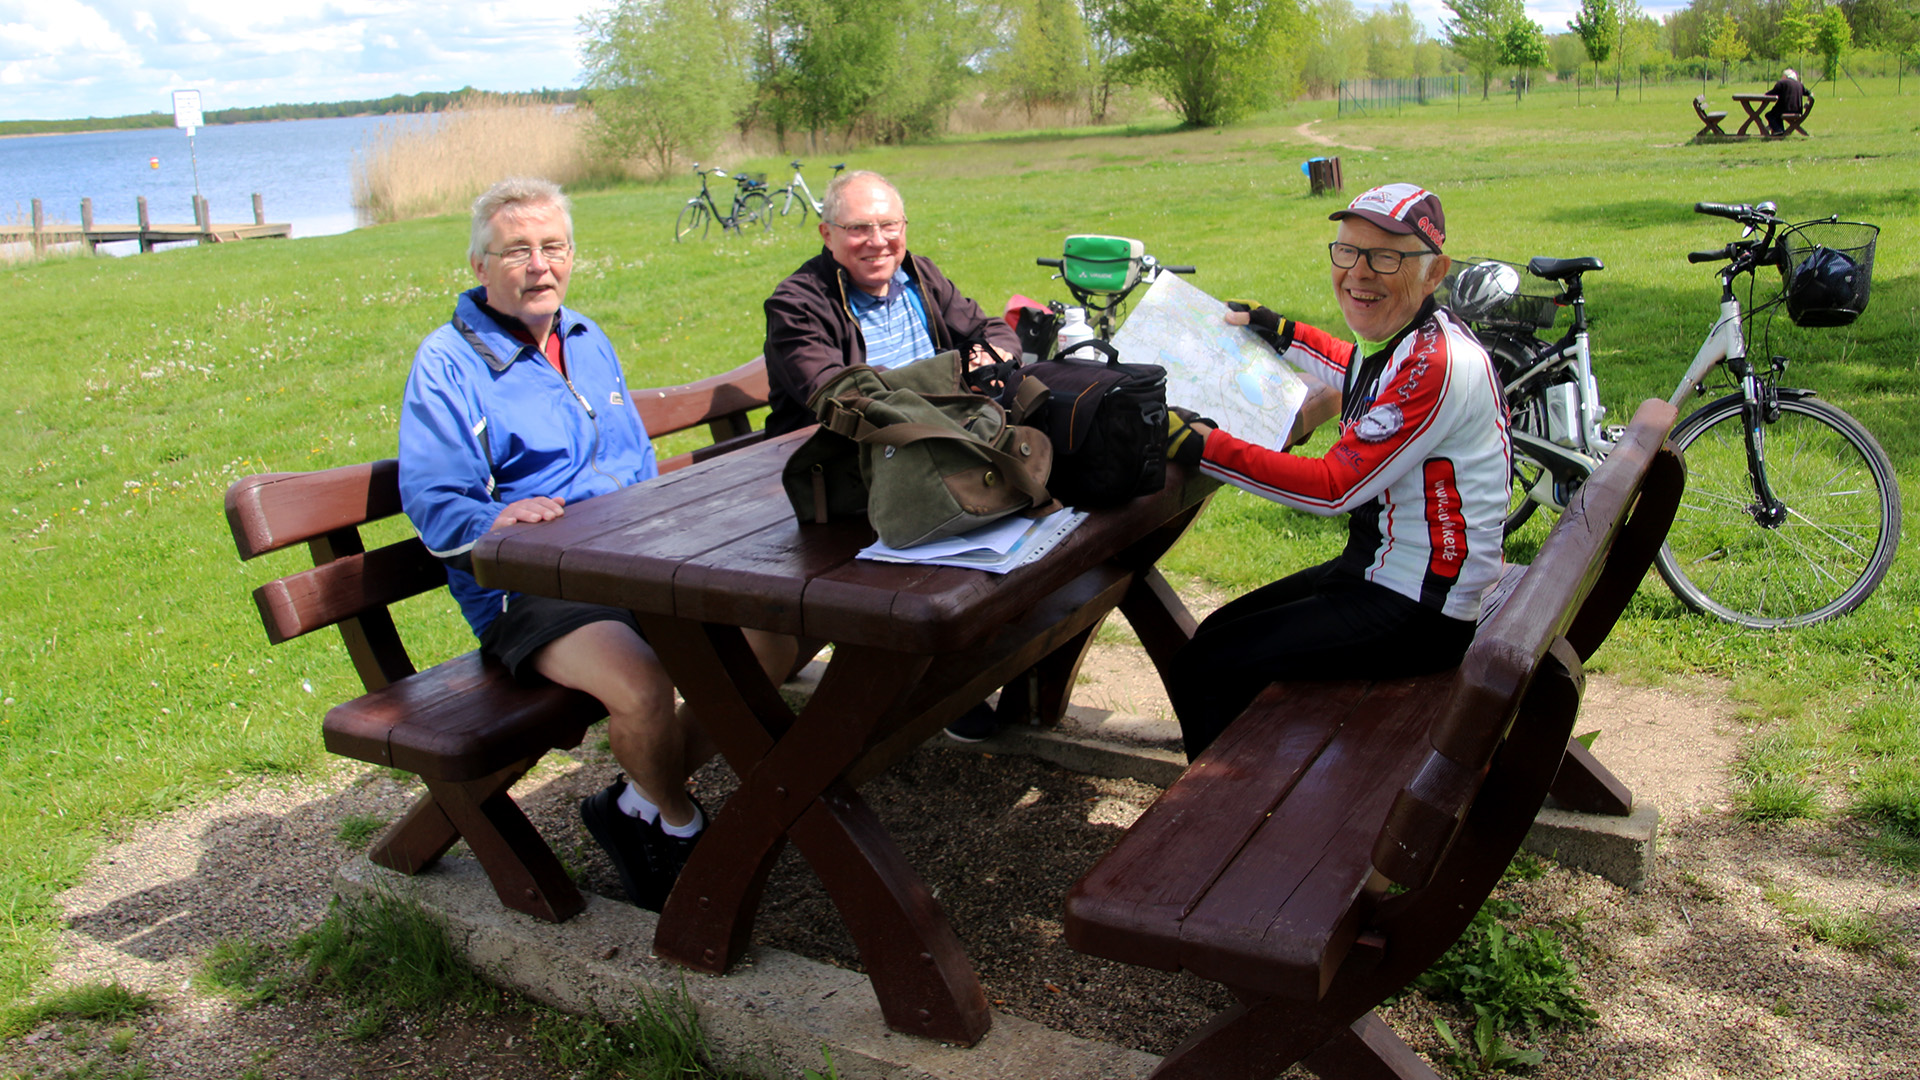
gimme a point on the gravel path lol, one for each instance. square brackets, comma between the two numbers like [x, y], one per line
[1701, 975]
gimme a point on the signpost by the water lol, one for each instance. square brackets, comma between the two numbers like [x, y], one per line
[186, 114]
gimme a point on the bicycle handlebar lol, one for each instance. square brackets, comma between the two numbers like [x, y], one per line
[1722, 255]
[1055, 263]
[1178, 269]
[1736, 213]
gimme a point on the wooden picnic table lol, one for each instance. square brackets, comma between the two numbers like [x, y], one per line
[714, 548]
[1755, 104]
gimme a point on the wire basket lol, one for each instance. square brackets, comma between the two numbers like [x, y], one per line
[1827, 271]
[1529, 305]
[750, 180]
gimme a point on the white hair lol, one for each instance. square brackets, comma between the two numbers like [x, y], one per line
[836, 193]
[514, 194]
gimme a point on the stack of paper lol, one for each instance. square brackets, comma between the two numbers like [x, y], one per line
[997, 548]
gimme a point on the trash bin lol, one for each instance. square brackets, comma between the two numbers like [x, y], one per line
[1323, 175]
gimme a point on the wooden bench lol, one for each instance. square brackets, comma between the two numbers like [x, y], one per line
[1790, 122]
[1338, 837]
[464, 726]
[1710, 119]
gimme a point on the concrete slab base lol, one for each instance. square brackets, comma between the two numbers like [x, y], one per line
[772, 1016]
[1619, 849]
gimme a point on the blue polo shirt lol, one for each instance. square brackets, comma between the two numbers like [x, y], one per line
[895, 325]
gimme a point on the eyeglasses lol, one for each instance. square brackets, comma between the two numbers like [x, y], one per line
[556, 253]
[868, 230]
[1382, 260]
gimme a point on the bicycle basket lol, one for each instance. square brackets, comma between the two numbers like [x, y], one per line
[1102, 264]
[1494, 293]
[1828, 271]
[750, 180]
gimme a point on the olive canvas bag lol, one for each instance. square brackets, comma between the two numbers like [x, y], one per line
[921, 459]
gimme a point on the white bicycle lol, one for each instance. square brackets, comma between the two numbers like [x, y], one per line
[1792, 510]
[798, 193]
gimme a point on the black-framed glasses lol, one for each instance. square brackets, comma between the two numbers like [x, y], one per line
[868, 230]
[1382, 260]
[557, 252]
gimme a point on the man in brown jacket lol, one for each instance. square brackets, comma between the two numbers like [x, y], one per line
[865, 299]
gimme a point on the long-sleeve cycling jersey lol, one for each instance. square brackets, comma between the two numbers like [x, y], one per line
[1421, 467]
[487, 420]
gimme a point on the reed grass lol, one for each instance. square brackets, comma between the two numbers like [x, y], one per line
[438, 163]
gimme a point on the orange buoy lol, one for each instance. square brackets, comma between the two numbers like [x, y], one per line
[153, 163]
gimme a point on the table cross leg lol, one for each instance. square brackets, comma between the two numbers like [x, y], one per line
[919, 970]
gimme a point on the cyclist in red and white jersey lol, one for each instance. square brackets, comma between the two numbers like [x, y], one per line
[1421, 467]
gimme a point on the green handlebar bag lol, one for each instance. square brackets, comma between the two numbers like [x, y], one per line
[920, 465]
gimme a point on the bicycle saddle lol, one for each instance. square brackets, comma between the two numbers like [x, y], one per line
[1562, 269]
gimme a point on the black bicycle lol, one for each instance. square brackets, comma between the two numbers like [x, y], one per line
[1792, 510]
[751, 208]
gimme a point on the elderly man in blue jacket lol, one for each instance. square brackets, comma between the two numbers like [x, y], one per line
[514, 409]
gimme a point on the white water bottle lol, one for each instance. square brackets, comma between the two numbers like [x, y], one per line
[1073, 331]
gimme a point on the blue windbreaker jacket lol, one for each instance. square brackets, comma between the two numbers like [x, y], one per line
[487, 420]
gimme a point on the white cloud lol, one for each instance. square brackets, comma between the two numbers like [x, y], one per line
[70, 58]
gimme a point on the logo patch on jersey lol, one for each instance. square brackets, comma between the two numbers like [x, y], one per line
[1382, 422]
[613, 397]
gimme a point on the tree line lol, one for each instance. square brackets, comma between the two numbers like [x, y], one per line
[669, 78]
[392, 104]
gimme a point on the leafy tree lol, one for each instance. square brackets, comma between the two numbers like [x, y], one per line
[1104, 46]
[1832, 38]
[1214, 60]
[885, 70]
[1477, 32]
[1726, 43]
[1637, 36]
[1524, 46]
[1795, 34]
[1598, 25]
[1045, 62]
[666, 77]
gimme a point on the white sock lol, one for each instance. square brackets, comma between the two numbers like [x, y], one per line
[634, 804]
[691, 828]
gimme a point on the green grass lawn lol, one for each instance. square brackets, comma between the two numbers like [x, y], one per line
[133, 669]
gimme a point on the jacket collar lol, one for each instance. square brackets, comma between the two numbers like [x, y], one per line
[481, 326]
[909, 263]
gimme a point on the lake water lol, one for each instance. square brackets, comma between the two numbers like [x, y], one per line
[301, 168]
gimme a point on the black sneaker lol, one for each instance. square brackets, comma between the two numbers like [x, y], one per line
[975, 725]
[646, 858]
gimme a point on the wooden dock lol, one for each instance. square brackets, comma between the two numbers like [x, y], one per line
[41, 236]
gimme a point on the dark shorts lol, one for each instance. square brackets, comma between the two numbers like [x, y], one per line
[531, 622]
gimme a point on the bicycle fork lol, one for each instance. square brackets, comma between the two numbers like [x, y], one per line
[1758, 408]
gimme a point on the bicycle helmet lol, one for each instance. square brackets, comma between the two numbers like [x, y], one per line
[1825, 290]
[1483, 290]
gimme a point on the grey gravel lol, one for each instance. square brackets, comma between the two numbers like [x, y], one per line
[1700, 976]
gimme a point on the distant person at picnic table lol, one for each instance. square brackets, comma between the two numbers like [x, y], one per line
[1793, 98]
[1420, 466]
[514, 409]
[866, 299]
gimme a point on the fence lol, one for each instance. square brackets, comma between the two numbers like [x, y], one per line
[1382, 95]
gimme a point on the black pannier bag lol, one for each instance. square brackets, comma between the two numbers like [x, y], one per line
[1107, 422]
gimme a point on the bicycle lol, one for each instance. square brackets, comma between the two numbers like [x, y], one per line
[1101, 272]
[1792, 510]
[751, 207]
[807, 201]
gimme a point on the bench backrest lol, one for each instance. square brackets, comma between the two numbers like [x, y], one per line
[1575, 590]
[351, 587]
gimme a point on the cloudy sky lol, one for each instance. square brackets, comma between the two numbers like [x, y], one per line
[72, 58]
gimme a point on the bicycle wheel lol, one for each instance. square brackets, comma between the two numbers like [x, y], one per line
[1829, 554]
[693, 218]
[753, 211]
[1529, 415]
